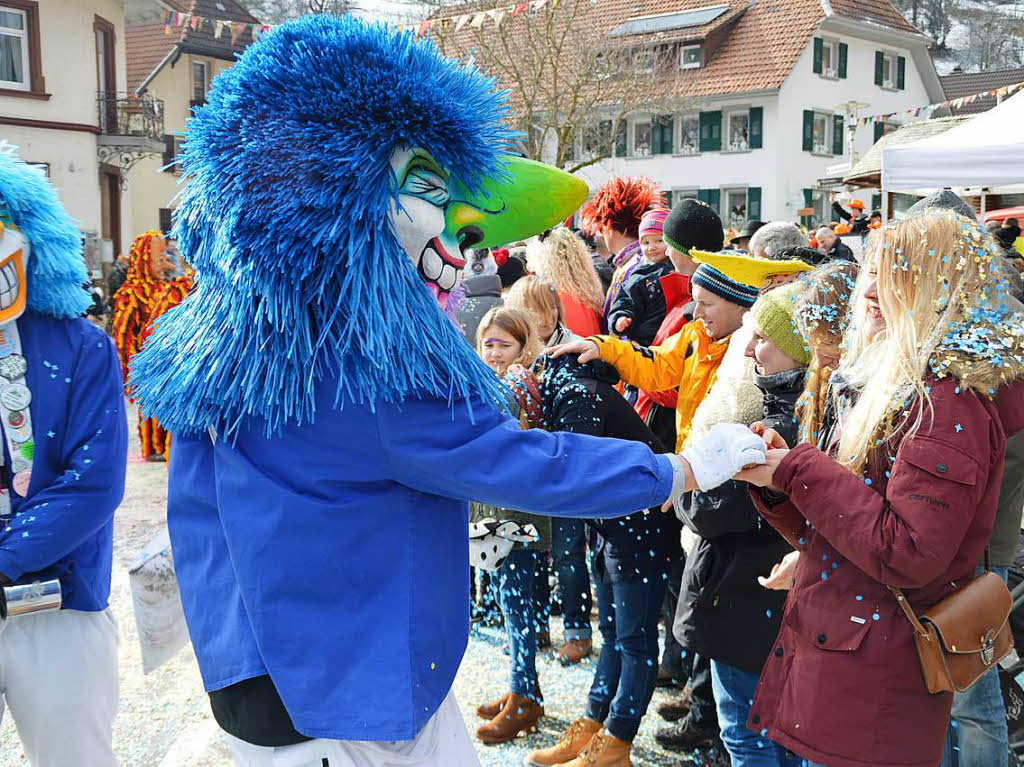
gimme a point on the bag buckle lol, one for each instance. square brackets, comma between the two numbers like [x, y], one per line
[988, 648]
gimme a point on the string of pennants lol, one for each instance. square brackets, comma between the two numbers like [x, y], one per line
[176, 19]
[963, 101]
[477, 19]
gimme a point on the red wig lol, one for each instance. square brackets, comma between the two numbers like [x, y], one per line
[620, 204]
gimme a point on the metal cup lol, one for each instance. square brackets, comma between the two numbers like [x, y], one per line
[41, 596]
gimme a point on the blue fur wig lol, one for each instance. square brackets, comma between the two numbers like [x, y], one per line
[285, 215]
[56, 270]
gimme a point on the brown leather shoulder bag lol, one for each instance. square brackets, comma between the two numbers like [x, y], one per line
[964, 635]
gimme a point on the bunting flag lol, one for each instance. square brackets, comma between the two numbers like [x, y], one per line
[175, 19]
[477, 19]
[957, 103]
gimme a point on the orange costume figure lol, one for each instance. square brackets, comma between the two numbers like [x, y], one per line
[134, 304]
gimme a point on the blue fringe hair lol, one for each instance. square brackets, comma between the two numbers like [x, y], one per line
[56, 269]
[285, 215]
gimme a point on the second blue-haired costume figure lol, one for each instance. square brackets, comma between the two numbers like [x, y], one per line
[327, 416]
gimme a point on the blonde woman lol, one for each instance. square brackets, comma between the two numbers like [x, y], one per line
[561, 258]
[927, 392]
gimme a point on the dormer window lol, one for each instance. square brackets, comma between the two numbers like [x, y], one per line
[689, 57]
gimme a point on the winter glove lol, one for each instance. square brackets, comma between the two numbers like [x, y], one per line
[723, 453]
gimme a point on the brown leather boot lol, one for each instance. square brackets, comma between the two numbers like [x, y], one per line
[604, 750]
[518, 714]
[569, 747]
[575, 651]
[492, 709]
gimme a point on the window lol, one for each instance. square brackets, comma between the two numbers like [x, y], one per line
[641, 138]
[738, 136]
[678, 195]
[689, 137]
[890, 70]
[14, 49]
[735, 207]
[689, 57]
[662, 133]
[822, 134]
[830, 58]
[199, 83]
[662, 22]
[644, 64]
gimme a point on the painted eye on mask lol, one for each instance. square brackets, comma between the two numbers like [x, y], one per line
[424, 181]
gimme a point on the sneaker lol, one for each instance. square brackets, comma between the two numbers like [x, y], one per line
[685, 735]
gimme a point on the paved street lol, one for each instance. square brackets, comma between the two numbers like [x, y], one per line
[165, 720]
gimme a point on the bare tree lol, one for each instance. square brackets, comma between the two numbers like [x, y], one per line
[571, 85]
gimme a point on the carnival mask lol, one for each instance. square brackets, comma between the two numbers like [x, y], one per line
[14, 256]
[438, 219]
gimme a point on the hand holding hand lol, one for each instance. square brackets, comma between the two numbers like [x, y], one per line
[585, 348]
[723, 453]
[770, 436]
[622, 323]
[781, 578]
[764, 476]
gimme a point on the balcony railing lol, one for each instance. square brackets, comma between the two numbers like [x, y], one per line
[131, 128]
[131, 115]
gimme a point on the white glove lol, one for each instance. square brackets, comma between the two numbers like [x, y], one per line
[726, 450]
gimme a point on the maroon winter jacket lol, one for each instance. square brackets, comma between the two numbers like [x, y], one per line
[843, 684]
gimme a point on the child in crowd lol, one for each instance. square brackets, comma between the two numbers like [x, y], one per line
[507, 344]
[639, 308]
[539, 300]
[631, 557]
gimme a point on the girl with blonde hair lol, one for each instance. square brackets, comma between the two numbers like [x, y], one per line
[561, 258]
[540, 300]
[507, 343]
[927, 391]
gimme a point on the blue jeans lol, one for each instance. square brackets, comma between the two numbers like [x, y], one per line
[515, 594]
[627, 668]
[569, 553]
[977, 735]
[734, 694]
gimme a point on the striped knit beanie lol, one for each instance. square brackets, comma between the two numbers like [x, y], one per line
[711, 279]
[653, 222]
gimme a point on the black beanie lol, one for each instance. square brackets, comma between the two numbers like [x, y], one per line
[692, 224]
[511, 271]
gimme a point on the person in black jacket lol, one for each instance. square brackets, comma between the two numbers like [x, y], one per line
[832, 247]
[639, 307]
[630, 562]
[724, 613]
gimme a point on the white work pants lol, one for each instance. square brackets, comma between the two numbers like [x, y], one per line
[443, 742]
[58, 675]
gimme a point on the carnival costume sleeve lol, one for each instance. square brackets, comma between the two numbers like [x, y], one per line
[654, 368]
[58, 518]
[580, 475]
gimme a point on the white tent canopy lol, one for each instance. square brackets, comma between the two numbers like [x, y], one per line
[987, 150]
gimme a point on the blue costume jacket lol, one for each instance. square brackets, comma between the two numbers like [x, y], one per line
[64, 526]
[292, 552]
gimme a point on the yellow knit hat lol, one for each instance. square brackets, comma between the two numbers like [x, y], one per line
[773, 313]
[750, 270]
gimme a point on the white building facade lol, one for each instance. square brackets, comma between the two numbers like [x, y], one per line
[758, 153]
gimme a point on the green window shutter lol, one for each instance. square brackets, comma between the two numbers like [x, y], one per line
[715, 199]
[837, 134]
[704, 196]
[843, 53]
[668, 199]
[620, 140]
[818, 45]
[661, 134]
[808, 130]
[808, 202]
[879, 129]
[901, 72]
[879, 63]
[754, 202]
[710, 131]
[876, 202]
[756, 127]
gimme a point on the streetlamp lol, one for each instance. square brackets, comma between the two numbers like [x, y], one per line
[850, 109]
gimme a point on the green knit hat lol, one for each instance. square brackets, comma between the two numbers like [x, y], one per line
[773, 313]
